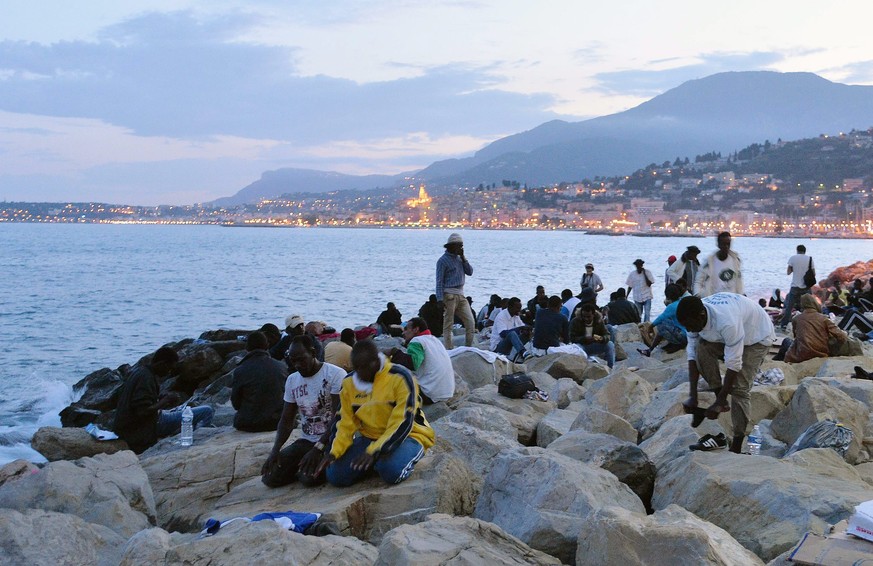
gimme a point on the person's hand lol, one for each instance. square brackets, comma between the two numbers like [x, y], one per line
[689, 405]
[271, 463]
[326, 461]
[363, 462]
[310, 462]
[715, 409]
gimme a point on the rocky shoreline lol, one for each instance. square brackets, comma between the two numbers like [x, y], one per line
[598, 474]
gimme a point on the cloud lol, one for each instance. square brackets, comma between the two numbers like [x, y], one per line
[651, 82]
[860, 72]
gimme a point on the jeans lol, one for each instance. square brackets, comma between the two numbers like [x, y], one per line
[508, 342]
[672, 333]
[791, 299]
[288, 466]
[392, 468]
[645, 309]
[605, 349]
[457, 305]
[170, 422]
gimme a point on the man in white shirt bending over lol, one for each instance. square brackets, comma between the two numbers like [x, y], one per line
[797, 266]
[428, 359]
[504, 332]
[733, 327]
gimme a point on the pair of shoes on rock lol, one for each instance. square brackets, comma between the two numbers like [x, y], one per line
[708, 443]
[860, 373]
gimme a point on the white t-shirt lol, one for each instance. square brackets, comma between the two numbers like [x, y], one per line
[637, 282]
[504, 321]
[312, 396]
[436, 376]
[724, 275]
[799, 263]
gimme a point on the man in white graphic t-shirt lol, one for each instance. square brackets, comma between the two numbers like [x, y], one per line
[313, 392]
[721, 271]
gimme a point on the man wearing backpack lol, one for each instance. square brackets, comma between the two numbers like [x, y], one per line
[799, 265]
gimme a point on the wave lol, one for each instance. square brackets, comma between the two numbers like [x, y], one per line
[22, 417]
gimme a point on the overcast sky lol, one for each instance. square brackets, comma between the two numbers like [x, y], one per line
[182, 101]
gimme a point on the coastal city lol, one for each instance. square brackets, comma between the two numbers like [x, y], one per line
[799, 188]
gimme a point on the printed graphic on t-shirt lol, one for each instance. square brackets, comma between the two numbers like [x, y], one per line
[727, 275]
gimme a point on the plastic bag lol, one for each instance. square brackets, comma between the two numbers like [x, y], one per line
[824, 434]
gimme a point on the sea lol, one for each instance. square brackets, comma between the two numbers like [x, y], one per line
[79, 297]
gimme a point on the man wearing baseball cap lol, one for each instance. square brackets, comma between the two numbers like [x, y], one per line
[451, 271]
[294, 326]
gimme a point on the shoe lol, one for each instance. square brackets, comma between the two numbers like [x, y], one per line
[708, 443]
[860, 373]
[699, 416]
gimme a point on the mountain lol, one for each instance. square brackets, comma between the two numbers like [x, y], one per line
[284, 181]
[722, 112]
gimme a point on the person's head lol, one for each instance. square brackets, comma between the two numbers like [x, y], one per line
[723, 241]
[541, 291]
[691, 313]
[777, 293]
[762, 302]
[301, 355]
[294, 324]
[390, 307]
[365, 360]
[566, 294]
[432, 298]
[455, 244]
[807, 301]
[415, 326]
[692, 252]
[589, 268]
[672, 292]
[801, 249]
[164, 361]
[271, 331]
[555, 303]
[613, 296]
[639, 264]
[620, 294]
[256, 341]
[671, 260]
[495, 300]
[586, 313]
[504, 303]
[683, 284]
[347, 336]
[514, 306]
[858, 284]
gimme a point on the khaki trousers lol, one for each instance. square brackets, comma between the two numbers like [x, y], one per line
[457, 304]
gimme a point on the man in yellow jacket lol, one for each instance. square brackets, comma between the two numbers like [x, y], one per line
[380, 402]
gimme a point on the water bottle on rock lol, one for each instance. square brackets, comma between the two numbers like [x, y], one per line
[755, 441]
[187, 436]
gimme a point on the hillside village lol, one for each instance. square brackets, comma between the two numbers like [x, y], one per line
[818, 186]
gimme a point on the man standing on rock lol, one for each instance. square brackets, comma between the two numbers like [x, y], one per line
[451, 271]
[139, 417]
[721, 272]
[735, 328]
[798, 264]
[313, 391]
[640, 281]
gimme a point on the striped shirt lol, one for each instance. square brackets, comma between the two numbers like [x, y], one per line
[450, 272]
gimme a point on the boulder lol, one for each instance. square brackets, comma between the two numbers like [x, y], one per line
[442, 539]
[436, 411]
[769, 445]
[475, 434]
[198, 362]
[595, 371]
[109, 489]
[569, 366]
[598, 420]
[629, 332]
[624, 459]
[842, 366]
[187, 481]
[544, 498]
[524, 414]
[34, 536]
[664, 405]
[71, 444]
[623, 393]
[542, 363]
[543, 381]
[858, 389]
[670, 536]
[15, 470]
[566, 391]
[764, 503]
[679, 377]
[476, 371]
[553, 425]
[656, 375]
[865, 470]
[815, 401]
[263, 542]
[672, 440]
[100, 389]
[76, 416]
[370, 508]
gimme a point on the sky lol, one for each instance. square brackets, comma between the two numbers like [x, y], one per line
[185, 101]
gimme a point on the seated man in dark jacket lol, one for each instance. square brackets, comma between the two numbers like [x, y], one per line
[257, 387]
[551, 329]
[587, 330]
[139, 418]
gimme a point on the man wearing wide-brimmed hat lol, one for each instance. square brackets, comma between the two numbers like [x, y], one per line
[451, 271]
[640, 281]
[685, 268]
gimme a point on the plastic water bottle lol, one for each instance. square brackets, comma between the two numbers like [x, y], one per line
[755, 441]
[187, 436]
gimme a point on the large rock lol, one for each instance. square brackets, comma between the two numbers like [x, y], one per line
[815, 401]
[664, 406]
[598, 420]
[198, 362]
[476, 371]
[35, 536]
[623, 393]
[544, 498]
[858, 389]
[553, 425]
[188, 481]
[370, 508]
[764, 503]
[15, 470]
[524, 414]
[670, 536]
[629, 332]
[101, 389]
[569, 366]
[624, 459]
[109, 489]
[542, 363]
[672, 440]
[442, 539]
[475, 434]
[656, 375]
[842, 366]
[262, 542]
[566, 391]
[71, 444]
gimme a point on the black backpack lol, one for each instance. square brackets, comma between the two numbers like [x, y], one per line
[809, 276]
[515, 385]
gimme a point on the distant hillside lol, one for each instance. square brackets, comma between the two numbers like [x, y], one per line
[285, 181]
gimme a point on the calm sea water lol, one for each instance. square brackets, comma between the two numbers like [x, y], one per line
[76, 298]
